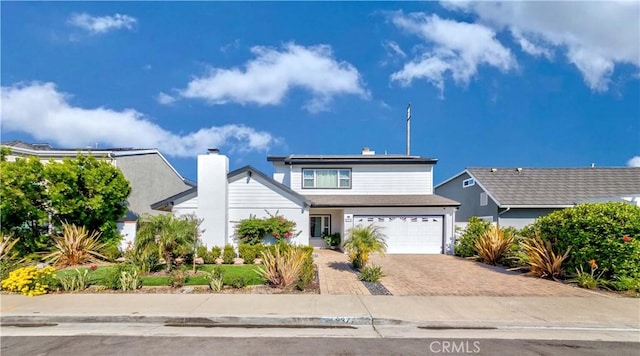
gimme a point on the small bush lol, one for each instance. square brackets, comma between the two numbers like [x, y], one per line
[144, 262]
[589, 280]
[113, 279]
[543, 261]
[628, 284]
[253, 230]
[228, 254]
[177, 278]
[75, 281]
[493, 244]
[247, 253]
[465, 245]
[203, 253]
[130, 280]
[362, 241]
[215, 279]
[238, 282]
[29, 281]
[8, 255]
[307, 271]
[216, 251]
[111, 252]
[371, 274]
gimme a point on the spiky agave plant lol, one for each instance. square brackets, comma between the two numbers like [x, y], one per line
[281, 267]
[493, 244]
[75, 246]
[542, 259]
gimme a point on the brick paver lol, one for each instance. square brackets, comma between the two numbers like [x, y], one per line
[335, 274]
[430, 275]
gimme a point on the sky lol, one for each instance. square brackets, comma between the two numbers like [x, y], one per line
[514, 84]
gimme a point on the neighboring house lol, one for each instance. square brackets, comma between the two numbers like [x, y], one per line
[151, 176]
[324, 195]
[517, 196]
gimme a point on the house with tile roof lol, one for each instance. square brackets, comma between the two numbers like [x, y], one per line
[517, 196]
[149, 173]
[324, 194]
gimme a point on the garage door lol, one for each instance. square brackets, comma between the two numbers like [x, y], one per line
[408, 234]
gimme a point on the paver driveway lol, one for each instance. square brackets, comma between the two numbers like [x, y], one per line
[437, 275]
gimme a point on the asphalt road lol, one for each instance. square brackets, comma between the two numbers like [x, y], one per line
[138, 345]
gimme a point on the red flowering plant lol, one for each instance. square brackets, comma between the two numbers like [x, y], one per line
[626, 238]
[253, 230]
[94, 267]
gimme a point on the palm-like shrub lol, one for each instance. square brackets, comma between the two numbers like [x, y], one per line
[75, 246]
[282, 265]
[542, 259]
[167, 236]
[493, 244]
[8, 256]
[362, 241]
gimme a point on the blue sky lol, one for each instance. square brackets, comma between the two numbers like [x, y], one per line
[518, 84]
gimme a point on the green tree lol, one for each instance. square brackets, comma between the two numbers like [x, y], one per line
[23, 203]
[36, 199]
[362, 242]
[87, 192]
[167, 236]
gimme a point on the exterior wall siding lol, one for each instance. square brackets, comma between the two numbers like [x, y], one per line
[469, 199]
[372, 179]
[188, 207]
[253, 196]
[520, 218]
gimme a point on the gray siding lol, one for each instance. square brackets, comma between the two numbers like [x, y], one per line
[469, 199]
[520, 218]
[151, 181]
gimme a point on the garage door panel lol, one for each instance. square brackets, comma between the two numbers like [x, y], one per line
[408, 234]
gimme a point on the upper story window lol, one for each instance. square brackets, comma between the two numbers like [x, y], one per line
[468, 182]
[326, 178]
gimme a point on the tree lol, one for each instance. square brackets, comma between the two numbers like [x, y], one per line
[167, 236]
[36, 199]
[362, 242]
[87, 192]
[23, 203]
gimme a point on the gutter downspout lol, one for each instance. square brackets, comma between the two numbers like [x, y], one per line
[500, 213]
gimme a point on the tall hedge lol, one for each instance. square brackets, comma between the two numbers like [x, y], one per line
[608, 233]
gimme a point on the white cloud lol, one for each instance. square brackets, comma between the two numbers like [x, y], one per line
[268, 78]
[529, 47]
[102, 24]
[634, 161]
[594, 35]
[165, 99]
[393, 47]
[453, 47]
[43, 112]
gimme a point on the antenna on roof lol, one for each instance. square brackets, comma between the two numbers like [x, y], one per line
[409, 129]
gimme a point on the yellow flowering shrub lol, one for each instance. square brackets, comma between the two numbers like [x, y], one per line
[29, 281]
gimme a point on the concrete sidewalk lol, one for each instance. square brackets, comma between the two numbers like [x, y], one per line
[436, 312]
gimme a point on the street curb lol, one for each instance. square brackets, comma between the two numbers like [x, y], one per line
[331, 321]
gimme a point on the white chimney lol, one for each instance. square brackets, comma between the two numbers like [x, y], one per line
[213, 197]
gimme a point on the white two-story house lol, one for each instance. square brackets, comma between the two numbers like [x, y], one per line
[324, 194]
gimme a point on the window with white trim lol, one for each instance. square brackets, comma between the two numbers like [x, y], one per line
[468, 182]
[330, 178]
[483, 199]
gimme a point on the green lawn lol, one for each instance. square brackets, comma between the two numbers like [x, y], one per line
[229, 272]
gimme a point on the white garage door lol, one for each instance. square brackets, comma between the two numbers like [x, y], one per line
[408, 234]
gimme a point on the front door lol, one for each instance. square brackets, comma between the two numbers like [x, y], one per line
[319, 225]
